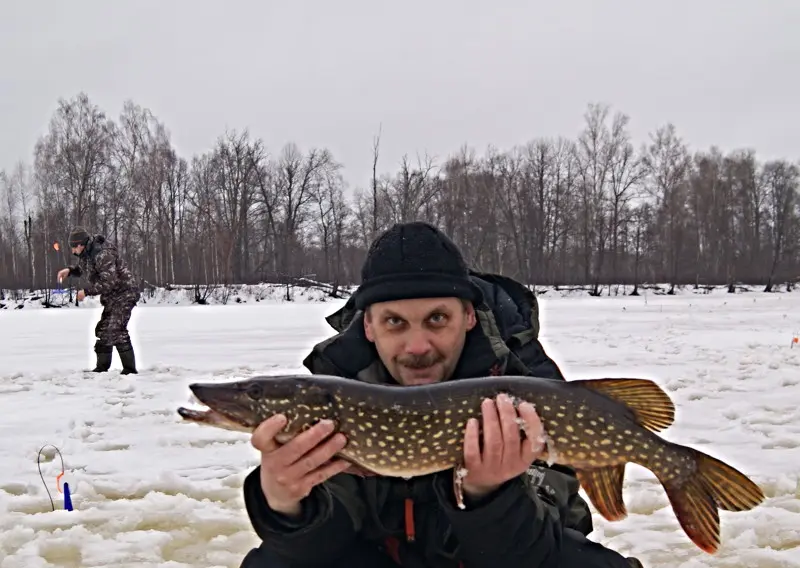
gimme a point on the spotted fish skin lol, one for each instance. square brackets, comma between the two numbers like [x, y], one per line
[594, 426]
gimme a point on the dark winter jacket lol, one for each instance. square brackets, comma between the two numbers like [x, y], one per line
[417, 521]
[106, 273]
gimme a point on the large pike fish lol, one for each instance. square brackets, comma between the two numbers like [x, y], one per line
[593, 426]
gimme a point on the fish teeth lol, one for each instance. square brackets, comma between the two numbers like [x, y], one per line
[192, 399]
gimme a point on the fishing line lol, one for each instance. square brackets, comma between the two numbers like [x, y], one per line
[69, 280]
[58, 477]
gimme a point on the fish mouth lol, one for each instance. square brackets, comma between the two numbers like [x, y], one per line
[210, 417]
[207, 415]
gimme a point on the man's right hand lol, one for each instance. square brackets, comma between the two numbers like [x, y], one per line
[63, 273]
[291, 470]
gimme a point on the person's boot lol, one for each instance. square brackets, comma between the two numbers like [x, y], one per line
[104, 355]
[128, 359]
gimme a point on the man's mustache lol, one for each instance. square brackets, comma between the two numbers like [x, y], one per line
[420, 361]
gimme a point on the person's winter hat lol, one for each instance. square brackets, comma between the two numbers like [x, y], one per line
[79, 236]
[414, 260]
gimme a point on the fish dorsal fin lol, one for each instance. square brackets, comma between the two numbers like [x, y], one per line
[651, 406]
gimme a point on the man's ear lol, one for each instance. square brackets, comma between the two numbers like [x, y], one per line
[369, 330]
[472, 318]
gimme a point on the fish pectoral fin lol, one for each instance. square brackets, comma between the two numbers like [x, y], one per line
[604, 488]
[652, 407]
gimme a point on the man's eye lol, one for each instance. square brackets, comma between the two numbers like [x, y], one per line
[438, 318]
[393, 321]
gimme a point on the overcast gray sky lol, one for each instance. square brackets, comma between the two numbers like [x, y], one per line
[436, 74]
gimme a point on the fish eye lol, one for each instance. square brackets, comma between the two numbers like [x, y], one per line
[254, 391]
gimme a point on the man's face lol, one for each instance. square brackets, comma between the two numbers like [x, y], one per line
[77, 250]
[420, 340]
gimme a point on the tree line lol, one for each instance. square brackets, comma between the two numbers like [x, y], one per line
[592, 209]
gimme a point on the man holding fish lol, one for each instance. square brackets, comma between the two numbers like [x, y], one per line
[421, 317]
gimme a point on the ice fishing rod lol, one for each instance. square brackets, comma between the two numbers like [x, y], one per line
[67, 497]
[57, 248]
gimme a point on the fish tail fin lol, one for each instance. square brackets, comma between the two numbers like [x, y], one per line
[696, 499]
[731, 489]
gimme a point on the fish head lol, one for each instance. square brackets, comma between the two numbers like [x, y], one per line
[242, 405]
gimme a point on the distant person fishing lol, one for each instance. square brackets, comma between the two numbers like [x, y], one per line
[110, 278]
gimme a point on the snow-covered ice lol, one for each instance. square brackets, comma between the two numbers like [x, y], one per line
[149, 490]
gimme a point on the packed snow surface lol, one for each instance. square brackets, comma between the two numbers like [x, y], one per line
[149, 490]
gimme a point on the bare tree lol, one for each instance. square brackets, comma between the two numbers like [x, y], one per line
[782, 183]
[375, 151]
[295, 181]
[331, 224]
[411, 190]
[75, 154]
[667, 165]
[595, 153]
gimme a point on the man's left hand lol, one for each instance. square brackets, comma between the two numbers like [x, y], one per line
[505, 454]
[81, 295]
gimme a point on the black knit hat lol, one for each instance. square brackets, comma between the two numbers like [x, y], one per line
[79, 236]
[414, 260]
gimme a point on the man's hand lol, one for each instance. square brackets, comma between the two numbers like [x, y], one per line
[291, 470]
[63, 273]
[505, 454]
[81, 295]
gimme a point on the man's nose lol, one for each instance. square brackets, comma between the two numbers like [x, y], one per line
[418, 342]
